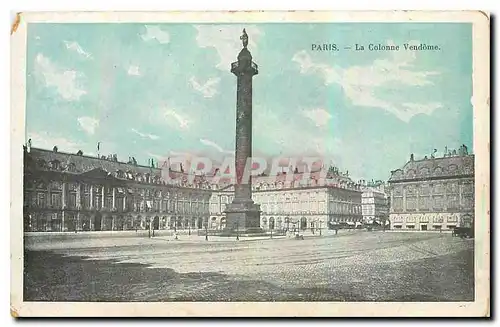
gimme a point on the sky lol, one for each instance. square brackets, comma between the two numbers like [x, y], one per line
[158, 90]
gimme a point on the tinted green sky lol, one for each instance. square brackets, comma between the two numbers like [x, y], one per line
[161, 89]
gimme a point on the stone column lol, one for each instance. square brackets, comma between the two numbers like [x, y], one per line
[103, 197]
[63, 196]
[243, 214]
[404, 199]
[91, 196]
[62, 221]
[77, 222]
[79, 196]
[114, 198]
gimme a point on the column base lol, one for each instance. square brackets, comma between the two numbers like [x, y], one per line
[243, 218]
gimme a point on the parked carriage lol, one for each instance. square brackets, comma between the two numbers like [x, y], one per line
[465, 228]
[463, 232]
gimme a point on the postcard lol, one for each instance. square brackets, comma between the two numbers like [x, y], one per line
[266, 164]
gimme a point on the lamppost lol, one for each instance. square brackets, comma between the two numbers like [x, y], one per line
[149, 227]
[189, 228]
[206, 230]
[237, 231]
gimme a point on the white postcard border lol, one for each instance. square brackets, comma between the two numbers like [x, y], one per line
[481, 90]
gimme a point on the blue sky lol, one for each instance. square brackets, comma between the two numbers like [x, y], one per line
[154, 90]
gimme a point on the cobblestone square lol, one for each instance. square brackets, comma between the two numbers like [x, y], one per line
[350, 266]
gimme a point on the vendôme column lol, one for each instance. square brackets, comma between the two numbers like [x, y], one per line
[243, 215]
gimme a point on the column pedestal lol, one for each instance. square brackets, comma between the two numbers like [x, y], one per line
[243, 218]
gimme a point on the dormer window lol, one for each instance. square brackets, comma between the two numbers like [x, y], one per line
[71, 167]
[54, 164]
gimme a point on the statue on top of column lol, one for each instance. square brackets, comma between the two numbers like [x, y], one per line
[244, 38]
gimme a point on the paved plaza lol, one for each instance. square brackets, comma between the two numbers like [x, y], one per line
[350, 266]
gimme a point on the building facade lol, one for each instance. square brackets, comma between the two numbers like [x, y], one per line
[295, 204]
[375, 206]
[72, 192]
[433, 194]
[65, 192]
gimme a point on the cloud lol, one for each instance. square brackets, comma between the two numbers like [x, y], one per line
[293, 138]
[181, 154]
[156, 33]
[65, 82]
[226, 41]
[215, 146]
[145, 135]
[363, 84]
[208, 89]
[319, 116]
[74, 46]
[133, 71]
[45, 140]
[176, 120]
[88, 124]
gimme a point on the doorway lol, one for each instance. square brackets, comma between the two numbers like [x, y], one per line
[97, 222]
[303, 223]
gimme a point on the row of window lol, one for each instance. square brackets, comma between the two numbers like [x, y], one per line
[42, 200]
[439, 188]
[341, 208]
[55, 223]
[98, 189]
[425, 219]
[433, 203]
[303, 197]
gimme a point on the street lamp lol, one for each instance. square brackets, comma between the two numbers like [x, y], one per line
[206, 231]
[149, 227]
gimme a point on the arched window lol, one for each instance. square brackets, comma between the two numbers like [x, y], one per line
[287, 222]
[71, 167]
[55, 164]
[303, 223]
[271, 223]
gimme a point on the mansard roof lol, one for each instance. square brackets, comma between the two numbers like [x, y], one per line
[74, 163]
[443, 167]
